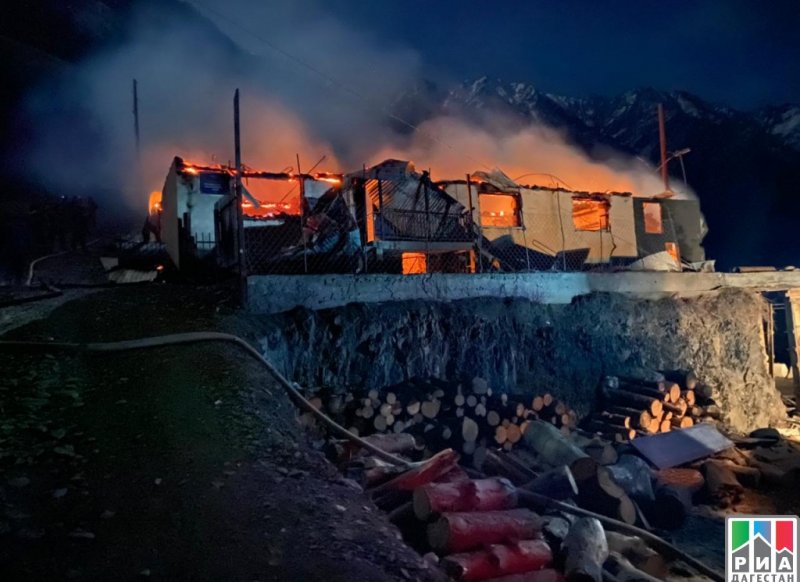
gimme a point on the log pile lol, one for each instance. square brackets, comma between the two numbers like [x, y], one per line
[468, 417]
[631, 407]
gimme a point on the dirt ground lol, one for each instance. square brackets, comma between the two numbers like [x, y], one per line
[174, 464]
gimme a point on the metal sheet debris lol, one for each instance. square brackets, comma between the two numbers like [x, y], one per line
[677, 447]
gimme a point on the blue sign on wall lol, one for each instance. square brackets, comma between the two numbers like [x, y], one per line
[213, 183]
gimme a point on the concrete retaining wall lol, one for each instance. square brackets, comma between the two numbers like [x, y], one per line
[277, 293]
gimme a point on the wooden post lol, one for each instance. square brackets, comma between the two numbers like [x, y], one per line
[662, 139]
[472, 224]
[136, 118]
[792, 322]
[238, 193]
[302, 187]
[427, 223]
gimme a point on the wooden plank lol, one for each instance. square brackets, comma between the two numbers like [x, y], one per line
[682, 446]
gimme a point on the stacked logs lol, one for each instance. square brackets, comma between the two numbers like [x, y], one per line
[468, 417]
[631, 407]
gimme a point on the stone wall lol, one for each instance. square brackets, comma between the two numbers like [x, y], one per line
[526, 346]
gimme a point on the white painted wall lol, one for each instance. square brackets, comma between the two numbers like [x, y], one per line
[276, 293]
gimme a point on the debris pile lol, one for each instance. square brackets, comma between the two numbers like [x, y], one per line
[527, 493]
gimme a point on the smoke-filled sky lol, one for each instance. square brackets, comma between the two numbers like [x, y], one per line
[364, 55]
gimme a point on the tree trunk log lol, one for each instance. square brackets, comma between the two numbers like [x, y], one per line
[475, 495]
[498, 560]
[460, 532]
[586, 550]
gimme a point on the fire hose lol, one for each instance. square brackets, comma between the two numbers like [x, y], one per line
[337, 429]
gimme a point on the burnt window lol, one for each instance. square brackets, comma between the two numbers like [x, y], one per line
[590, 214]
[500, 210]
[652, 218]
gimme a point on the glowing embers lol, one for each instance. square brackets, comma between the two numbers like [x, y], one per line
[590, 214]
[500, 210]
[414, 263]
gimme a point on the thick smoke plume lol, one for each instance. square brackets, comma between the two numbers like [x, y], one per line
[188, 59]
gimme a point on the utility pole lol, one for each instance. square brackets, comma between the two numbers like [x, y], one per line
[136, 118]
[238, 195]
[662, 138]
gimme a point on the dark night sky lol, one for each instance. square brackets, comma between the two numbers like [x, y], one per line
[742, 53]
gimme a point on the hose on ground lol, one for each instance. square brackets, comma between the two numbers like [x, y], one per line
[198, 337]
[336, 428]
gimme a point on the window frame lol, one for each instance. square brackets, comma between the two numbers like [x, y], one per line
[605, 226]
[517, 210]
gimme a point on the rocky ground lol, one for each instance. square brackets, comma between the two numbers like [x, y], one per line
[174, 464]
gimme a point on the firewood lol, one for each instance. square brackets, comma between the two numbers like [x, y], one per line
[430, 408]
[460, 532]
[557, 484]
[610, 431]
[638, 418]
[500, 434]
[634, 400]
[678, 408]
[602, 452]
[586, 550]
[513, 433]
[393, 443]
[480, 409]
[537, 404]
[638, 553]
[380, 423]
[670, 507]
[471, 401]
[547, 399]
[665, 426]
[689, 397]
[624, 571]
[469, 430]
[498, 560]
[655, 393]
[433, 468]
[550, 444]
[684, 422]
[474, 495]
[616, 419]
[492, 418]
[634, 476]
[413, 407]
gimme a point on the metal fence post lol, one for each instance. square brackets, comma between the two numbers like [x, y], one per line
[240, 240]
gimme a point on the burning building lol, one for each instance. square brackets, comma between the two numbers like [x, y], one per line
[542, 228]
[196, 202]
[392, 218]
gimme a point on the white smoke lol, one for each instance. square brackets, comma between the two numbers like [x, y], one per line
[187, 69]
